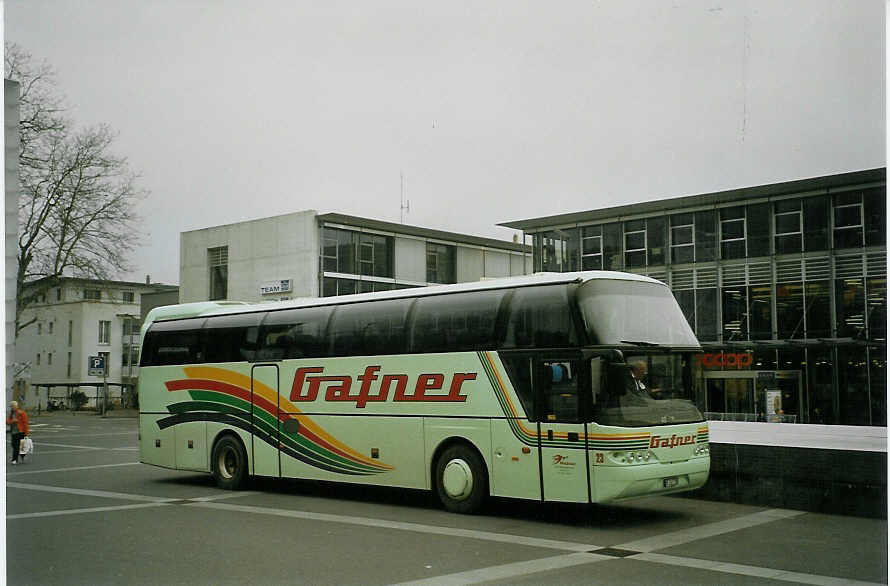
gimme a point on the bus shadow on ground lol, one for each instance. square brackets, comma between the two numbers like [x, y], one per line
[568, 514]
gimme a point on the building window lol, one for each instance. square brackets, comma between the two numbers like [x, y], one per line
[218, 261]
[440, 263]
[732, 233]
[655, 238]
[59, 294]
[818, 309]
[877, 308]
[592, 248]
[130, 356]
[635, 244]
[129, 326]
[104, 332]
[49, 359]
[815, 223]
[70, 331]
[790, 310]
[848, 228]
[559, 251]
[331, 287]
[760, 312]
[850, 308]
[788, 220]
[735, 313]
[682, 239]
[39, 328]
[68, 367]
[38, 359]
[338, 251]
[50, 327]
[128, 296]
[375, 255]
[92, 294]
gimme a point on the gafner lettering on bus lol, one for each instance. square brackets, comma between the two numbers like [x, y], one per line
[371, 386]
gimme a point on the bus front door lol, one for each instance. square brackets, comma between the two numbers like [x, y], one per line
[562, 439]
[265, 429]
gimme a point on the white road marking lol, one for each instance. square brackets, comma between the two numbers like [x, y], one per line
[68, 446]
[744, 570]
[579, 555]
[511, 570]
[219, 497]
[96, 493]
[83, 511]
[402, 526]
[72, 468]
[709, 530]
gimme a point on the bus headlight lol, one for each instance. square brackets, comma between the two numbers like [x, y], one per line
[639, 457]
[701, 450]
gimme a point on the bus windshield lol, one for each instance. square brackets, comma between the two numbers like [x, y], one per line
[621, 312]
[649, 389]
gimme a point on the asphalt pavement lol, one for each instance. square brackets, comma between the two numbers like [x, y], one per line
[83, 510]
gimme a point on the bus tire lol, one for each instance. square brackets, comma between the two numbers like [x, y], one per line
[228, 463]
[461, 480]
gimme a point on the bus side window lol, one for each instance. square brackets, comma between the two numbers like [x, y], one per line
[362, 329]
[232, 338]
[294, 333]
[174, 342]
[540, 318]
[456, 323]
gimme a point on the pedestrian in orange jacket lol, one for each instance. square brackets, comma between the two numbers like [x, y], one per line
[18, 422]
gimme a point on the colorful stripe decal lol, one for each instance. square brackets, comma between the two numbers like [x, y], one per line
[516, 420]
[224, 396]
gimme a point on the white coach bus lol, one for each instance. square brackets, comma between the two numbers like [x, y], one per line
[572, 387]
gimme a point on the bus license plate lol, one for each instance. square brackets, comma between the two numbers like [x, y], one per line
[671, 482]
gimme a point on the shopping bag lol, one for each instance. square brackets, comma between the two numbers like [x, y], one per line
[26, 446]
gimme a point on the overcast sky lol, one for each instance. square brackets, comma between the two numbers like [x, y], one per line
[494, 111]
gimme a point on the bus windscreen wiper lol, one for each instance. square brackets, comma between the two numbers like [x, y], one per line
[639, 343]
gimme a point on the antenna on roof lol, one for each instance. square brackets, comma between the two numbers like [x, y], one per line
[404, 205]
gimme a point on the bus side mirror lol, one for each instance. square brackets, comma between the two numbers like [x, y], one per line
[597, 376]
[616, 357]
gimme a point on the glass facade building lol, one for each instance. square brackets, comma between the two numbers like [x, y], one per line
[785, 286]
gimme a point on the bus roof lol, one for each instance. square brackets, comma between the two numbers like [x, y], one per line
[208, 308]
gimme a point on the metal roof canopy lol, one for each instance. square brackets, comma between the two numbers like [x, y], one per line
[715, 198]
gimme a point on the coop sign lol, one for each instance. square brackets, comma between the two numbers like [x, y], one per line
[727, 360]
[270, 287]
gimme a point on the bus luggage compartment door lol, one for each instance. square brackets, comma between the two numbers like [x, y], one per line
[265, 427]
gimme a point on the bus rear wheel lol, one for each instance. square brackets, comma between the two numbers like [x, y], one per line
[461, 480]
[228, 463]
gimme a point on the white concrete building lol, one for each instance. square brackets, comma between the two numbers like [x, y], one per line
[76, 319]
[306, 254]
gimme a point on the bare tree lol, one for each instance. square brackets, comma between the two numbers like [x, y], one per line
[77, 207]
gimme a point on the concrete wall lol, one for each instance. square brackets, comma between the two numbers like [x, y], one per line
[260, 251]
[410, 260]
[810, 479]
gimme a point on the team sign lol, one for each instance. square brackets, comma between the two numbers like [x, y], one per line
[371, 386]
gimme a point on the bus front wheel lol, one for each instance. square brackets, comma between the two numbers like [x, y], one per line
[228, 463]
[460, 479]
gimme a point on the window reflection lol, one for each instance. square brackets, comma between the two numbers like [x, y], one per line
[789, 310]
[735, 314]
